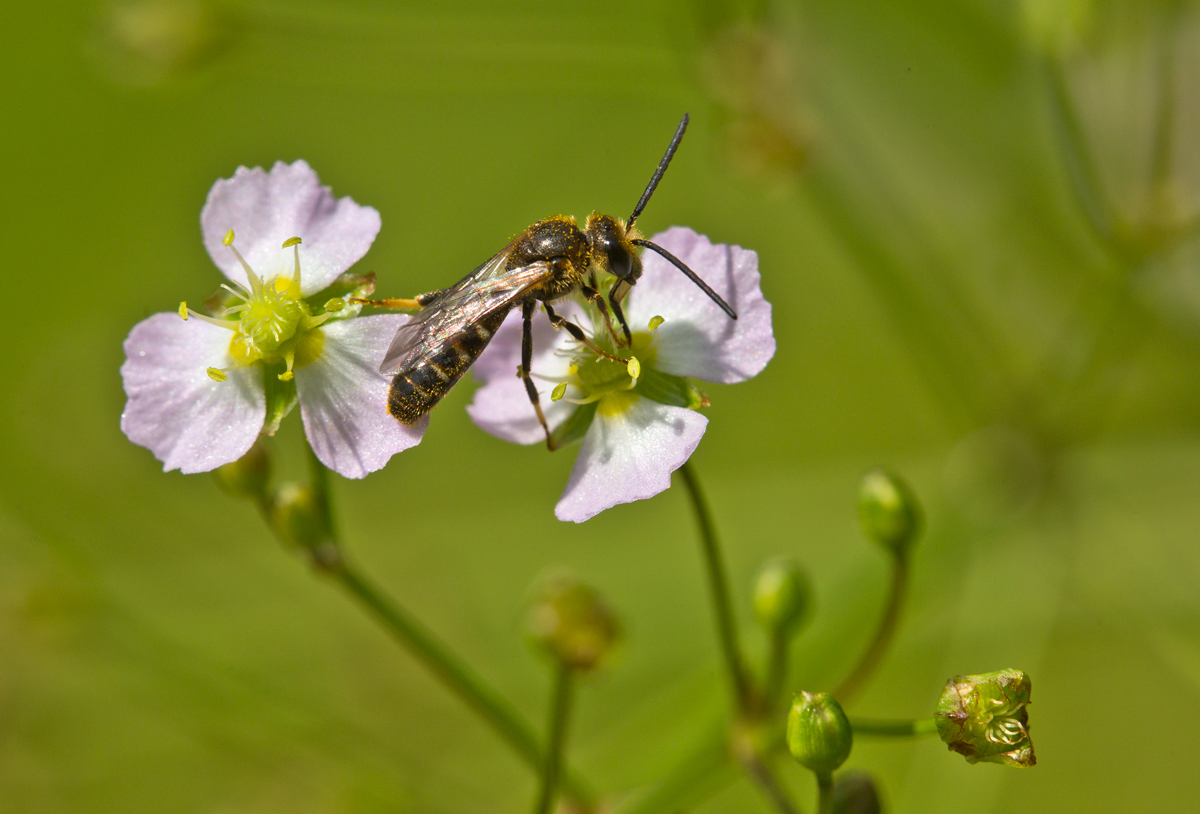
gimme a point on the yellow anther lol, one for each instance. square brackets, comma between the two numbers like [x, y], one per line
[559, 391]
[572, 370]
[655, 322]
[216, 374]
[286, 376]
[228, 239]
[282, 284]
[335, 305]
[183, 310]
[633, 367]
[291, 241]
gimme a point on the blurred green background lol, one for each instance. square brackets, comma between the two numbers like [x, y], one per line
[975, 223]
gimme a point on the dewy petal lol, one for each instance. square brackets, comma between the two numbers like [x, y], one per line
[697, 339]
[501, 406]
[265, 209]
[190, 422]
[343, 398]
[629, 456]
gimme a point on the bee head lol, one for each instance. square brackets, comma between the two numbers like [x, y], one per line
[612, 248]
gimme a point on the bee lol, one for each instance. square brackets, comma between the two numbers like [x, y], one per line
[548, 262]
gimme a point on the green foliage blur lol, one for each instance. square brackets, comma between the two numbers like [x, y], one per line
[976, 224]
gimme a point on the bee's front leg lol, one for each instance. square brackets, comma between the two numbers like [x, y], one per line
[578, 335]
[592, 294]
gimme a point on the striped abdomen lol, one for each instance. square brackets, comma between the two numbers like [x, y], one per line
[415, 391]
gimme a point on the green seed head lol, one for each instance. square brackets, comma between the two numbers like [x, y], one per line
[888, 511]
[569, 621]
[818, 734]
[782, 596]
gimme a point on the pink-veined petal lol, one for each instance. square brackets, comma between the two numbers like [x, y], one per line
[343, 398]
[629, 456]
[266, 208]
[190, 422]
[697, 338]
[501, 406]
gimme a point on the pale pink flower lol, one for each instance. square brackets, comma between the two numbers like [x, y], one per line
[635, 432]
[201, 390]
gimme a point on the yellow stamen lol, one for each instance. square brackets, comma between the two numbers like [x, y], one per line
[655, 322]
[228, 239]
[216, 374]
[335, 305]
[559, 392]
[633, 368]
[291, 241]
[183, 309]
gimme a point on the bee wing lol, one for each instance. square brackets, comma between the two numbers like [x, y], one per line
[489, 287]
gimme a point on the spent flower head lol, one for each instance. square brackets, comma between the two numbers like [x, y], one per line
[984, 718]
[202, 387]
[639, 422]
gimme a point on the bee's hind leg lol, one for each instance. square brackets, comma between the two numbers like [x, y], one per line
[398, 304]
[527, 309]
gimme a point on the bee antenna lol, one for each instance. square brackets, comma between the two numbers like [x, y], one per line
[658, 173]
[679, 264]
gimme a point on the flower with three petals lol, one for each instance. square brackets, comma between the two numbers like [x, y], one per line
[638, 423]
[202, 388]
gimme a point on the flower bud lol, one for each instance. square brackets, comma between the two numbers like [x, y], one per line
[818, 734]
[299, 517]
[984, 718]
[888, 511]
[855, 793]
[248, 475]
[782, 595]
[570, 622]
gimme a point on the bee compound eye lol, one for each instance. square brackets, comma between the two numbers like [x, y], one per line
[619, 261]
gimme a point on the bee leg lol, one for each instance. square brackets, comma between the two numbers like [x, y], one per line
[592, 295]
[527, 309]
[615, 305]
[578, 335]
[397, 304]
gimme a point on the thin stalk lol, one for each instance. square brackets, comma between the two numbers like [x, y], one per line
[431, 652]
[883, 634]
[761, 773]
[719, 588]
[894, 729]
[704, 771]
[777, 664]
[824, 793]
[560, 712]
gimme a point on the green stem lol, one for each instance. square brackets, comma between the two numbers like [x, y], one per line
[883, 634]
[894, 729]
[704, 771]
[719, 588]
[431, 652]
[560, 711]
[760, 772]
[824, 792]
[777, 664]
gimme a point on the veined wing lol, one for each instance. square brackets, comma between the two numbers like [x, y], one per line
[489, 287]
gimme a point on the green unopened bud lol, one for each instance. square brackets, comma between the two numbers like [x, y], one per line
[299, 516]
[818, 734]
[782, 596]
[855, 793]
[888, 511]
[569, 621]
[248, 475]
[984, 718]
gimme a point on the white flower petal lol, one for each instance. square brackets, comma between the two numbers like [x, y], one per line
[343, 398]
[501, 406]
[190, 422]
[697, 338]
[265, 209]
[628, 457]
